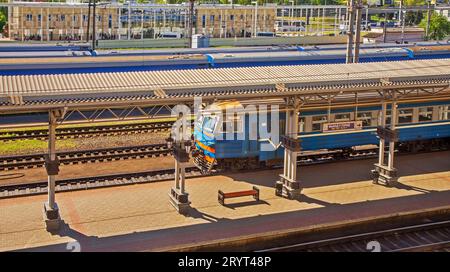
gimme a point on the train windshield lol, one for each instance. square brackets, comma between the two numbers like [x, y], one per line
[209, 122]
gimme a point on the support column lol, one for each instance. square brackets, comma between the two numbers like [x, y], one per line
[383, 173]
[358, 30]
[181, 149]
[178, 196]
[119, 23]
[52, 218]
[351, 23]
[288, 186]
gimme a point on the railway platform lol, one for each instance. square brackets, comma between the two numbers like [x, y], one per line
[139, 217]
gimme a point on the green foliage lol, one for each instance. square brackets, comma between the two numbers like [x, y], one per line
[413, 18]
[413, 2]
[2, 20]
[28, 146]
[439, 26]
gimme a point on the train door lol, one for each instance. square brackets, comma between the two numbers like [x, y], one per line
[252, 125]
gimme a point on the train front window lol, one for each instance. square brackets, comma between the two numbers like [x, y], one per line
[209, 123]
[425, 114]
[405, 116]
[317, 122]
[365, 117]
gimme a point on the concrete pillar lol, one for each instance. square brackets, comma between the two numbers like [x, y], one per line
[351, 24]
[392, 143]
[142, 24]
[383, 173]
[306, 21]
[119, 24]
[154, 24]
[382, 123]
[48, 24]
[335, 21]
[73, 24]
[288, 186]
[178, 196]
[51, 215]
[129, 22]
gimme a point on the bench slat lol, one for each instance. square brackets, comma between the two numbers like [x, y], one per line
[239, 194]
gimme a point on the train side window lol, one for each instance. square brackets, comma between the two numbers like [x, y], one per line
[405, 116]
[365, 117]
[445, 113]
[425, 114]
[228, 125]
[317, 122]
[301, 124]
[342, 117]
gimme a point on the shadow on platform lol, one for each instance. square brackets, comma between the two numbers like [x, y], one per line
[222, 228]
[340, 172]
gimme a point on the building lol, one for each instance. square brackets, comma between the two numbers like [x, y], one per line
[45, 21]
[234, 21]
[59, 21]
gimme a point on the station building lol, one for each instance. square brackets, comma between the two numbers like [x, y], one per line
[48, 21]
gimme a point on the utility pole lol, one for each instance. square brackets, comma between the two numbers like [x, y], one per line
[359, 7]
[191, 21]
[89, 21]
[402, 21]
[385, 27]
[351, 22]
[427, 31]
[93, 25]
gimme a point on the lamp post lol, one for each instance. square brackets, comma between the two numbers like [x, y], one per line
[402, 21]
[292, 16]
[427, 31]
[181, 149]
[191, 21]
[256, 17]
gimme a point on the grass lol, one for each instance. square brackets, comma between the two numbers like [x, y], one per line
[25, 146]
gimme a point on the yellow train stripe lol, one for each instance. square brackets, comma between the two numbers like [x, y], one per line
[208, 148]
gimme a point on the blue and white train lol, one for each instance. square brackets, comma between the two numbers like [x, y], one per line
[420, 125]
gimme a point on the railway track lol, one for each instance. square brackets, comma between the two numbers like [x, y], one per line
[84, 132]
[25, 189]
[85, 156]
[83, 183]
[423, 237]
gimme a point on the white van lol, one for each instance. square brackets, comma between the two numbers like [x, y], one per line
[170, 35]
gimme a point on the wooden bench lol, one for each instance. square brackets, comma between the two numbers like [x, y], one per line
[254, 192]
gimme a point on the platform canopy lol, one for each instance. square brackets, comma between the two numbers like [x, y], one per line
[95, 89]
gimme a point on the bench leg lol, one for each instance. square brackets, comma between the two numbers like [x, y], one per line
[256, 196]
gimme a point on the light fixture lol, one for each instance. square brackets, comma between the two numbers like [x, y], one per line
[187, 146]
[169, 142]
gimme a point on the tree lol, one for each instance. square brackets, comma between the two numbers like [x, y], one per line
[439, 27]
[2, 20]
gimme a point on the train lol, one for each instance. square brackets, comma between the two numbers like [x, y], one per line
[225, 59]
[421, 125]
